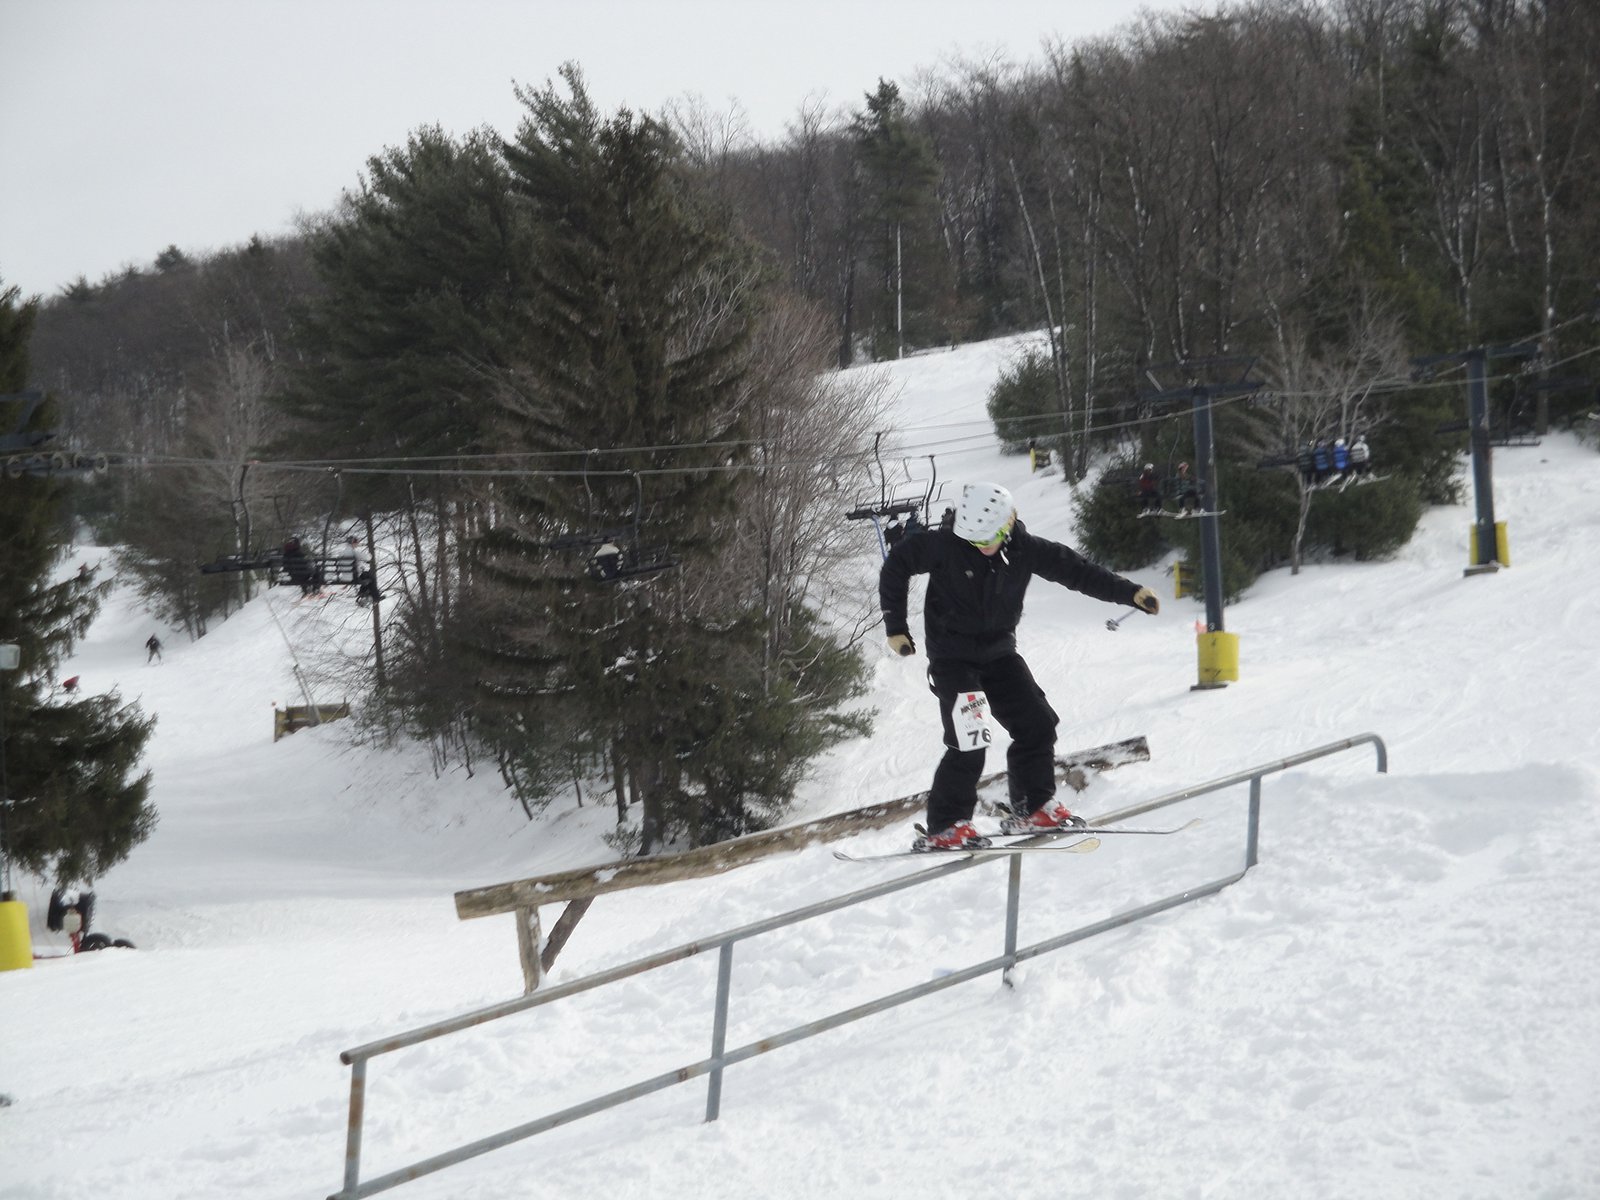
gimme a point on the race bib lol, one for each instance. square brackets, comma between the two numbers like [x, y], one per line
[971, 715]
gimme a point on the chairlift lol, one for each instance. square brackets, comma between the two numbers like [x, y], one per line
[291, 565]
[618, 553]
[24, 452]
[901, 511]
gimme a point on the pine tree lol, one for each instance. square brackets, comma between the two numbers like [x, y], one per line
[641, 304]
[901, 171]
[417, 273]
[78, 802]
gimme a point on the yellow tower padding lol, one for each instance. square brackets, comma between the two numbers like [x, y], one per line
[16, 943]
[1219, 658]
[1502, 546]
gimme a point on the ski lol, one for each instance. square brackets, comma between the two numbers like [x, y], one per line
[1081, 846]
[1097, 830]
[1088, 840]
[1063, 830]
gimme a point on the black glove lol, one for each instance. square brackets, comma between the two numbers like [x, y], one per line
[902, 644]
[1145, 599]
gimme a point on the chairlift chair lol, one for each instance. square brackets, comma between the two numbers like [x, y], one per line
[618, 553]
[24, 452]
[900, 511]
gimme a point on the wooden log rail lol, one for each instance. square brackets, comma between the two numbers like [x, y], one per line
[577, 888]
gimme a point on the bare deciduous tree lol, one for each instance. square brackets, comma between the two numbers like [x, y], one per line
[1327, 391]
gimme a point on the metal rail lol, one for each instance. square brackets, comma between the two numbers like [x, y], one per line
[721, 1057]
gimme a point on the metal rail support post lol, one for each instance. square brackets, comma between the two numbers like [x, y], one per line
[719, 1030]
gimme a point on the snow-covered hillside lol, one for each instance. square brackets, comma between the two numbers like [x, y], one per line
[1400, 1001]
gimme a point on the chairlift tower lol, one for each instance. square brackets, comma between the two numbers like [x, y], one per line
[1489, 545]
[1218, 649]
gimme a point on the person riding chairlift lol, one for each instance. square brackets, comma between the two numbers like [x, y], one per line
[1149, 489]
[1188, 491]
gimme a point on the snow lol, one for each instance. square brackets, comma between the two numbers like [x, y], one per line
[1399, 1001]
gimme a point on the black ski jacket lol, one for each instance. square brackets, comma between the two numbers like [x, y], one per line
[975, 600]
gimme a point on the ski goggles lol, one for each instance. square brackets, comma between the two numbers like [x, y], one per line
[999, 536]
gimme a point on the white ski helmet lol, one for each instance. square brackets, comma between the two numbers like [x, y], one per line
[986, 510]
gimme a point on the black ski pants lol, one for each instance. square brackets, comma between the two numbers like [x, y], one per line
[1018, 705]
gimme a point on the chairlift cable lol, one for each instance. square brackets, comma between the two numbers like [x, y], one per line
[401, 464]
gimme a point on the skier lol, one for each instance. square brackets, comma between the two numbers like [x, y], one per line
[347, 560]
[606, 565]
[1320, 462]
[896, 531]
[978, 571]
[153, 645]
[1360, 455]
[1188, 491]
[1341, 457]
[1149, 490]
[297, 567]
[1305, 463]
[353, 565]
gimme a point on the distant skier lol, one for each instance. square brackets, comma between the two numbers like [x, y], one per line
[297, 567]
[978, 572]
[606, 565]
[1188, 491]
[347, 560]
[1360, 455]
[153, 646]
[1320, 461]
[1149, 490]
[355, 567]
[1341, 457]
[1305, 463]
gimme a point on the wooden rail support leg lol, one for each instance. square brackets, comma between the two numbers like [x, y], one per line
[562, 930]
[528, 948]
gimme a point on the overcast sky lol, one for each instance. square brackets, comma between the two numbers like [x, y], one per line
[130, 125]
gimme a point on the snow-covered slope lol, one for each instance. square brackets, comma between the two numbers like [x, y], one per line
[1399, 1002]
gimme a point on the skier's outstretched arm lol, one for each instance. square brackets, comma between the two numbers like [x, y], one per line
[894, 584]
